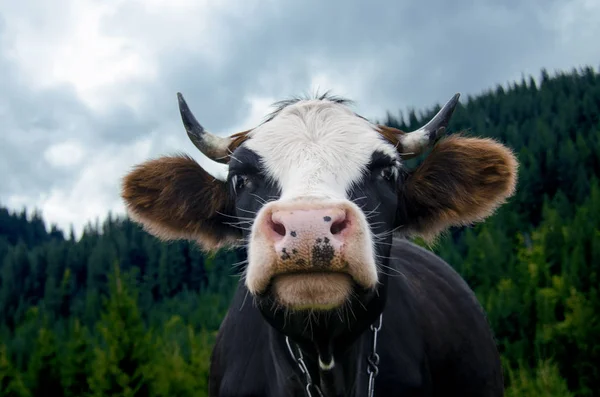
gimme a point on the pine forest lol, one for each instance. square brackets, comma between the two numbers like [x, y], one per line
[116, 312]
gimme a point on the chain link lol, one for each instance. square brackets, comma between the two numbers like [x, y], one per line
[373, 359]
[372, 363]
[300, 360]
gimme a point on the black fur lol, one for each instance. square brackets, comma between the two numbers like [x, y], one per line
[435, 339]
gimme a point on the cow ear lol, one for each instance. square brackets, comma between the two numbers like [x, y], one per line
[174, 198]
[462, 181]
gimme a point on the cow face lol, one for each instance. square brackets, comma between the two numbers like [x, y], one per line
[318, 183]
[315, 194]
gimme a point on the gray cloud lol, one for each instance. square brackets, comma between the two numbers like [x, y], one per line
[405, 55]
[388, 55]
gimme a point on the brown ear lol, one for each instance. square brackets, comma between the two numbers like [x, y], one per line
[174, 198]
[462, 181]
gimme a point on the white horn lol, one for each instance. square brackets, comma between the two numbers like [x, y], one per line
[212, 146]
[414, 143]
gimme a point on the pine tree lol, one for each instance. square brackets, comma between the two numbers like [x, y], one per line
[43, 372]
[181, 363]
[11, 381]
[122, 358]
[76, 360]
[534, 266]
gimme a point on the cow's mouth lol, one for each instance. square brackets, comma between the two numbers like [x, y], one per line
[315, 290]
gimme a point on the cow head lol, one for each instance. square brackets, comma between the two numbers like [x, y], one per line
[315, 193]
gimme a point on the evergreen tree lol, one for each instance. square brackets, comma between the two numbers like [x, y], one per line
[76, 361]
[44, 367]
[74, 324]
[122, 358]
[11, 381]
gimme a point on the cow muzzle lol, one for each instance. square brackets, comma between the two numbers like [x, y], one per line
[310, 254]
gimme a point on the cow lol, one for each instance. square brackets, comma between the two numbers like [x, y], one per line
[334, 298]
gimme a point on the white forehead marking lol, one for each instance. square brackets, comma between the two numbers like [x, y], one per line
[317, 148]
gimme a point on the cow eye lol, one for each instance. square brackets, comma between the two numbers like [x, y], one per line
[239, 182]
[389, 173]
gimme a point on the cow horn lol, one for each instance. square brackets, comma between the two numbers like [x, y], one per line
[212, 146]
[414, 143]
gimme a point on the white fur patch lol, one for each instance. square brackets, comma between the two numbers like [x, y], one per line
[317, 148]
[415, 142]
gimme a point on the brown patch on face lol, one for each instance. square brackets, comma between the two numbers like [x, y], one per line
[463, 180]
[392, 135]
[315, 291]
[284, 255]
[322, 253]
[310, 255]
[237, 139]
[174, 198]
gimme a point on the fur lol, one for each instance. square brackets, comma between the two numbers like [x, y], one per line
[462, 181]
[319, 151]
[175, 198]
[317, 148]
[434, 341]
[316, 151]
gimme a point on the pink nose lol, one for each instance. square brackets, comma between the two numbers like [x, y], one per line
[318, 234]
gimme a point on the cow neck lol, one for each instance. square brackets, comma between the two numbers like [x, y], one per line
[331, 380]
[326, 334]
[328, 342]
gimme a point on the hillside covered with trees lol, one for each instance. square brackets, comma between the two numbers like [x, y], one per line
[117, 313]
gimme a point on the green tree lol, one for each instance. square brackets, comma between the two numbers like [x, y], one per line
[122, 357]
[11, 380]
[544, 380]
[76, 360]
[44, 367]
[182, 361]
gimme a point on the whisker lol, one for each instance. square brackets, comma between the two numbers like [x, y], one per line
[384, 242]
[234, 216]
[238, 223]
[389, 268]
[398, 272]
[233, 157]
[240, 263]
[390, 275]
[387, 233]
[251, 212]
[244, 301]
[240, 243]
[259, 199]
[373, 211]
[357, 300]
[352, 312]
[238, 227]
[386, 257]
[339, 311]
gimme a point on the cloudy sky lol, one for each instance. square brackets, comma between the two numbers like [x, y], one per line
[87, 87]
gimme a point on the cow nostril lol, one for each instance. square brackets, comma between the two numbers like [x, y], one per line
[278, 228]
[339, 226]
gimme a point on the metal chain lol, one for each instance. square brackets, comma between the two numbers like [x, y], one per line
[373, 359]
[372, 363]
[300, 360]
